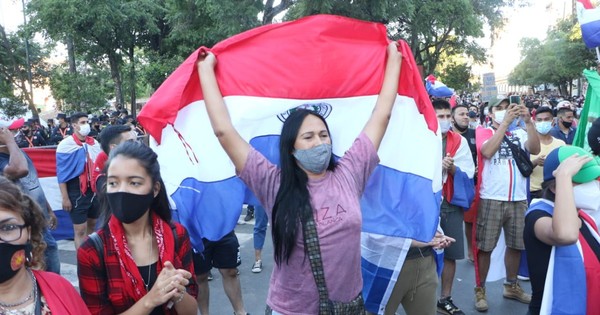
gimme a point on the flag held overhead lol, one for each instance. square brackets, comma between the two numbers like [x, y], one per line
[333, 64]
[589, 20]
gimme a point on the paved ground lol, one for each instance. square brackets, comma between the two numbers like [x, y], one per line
[255, 286]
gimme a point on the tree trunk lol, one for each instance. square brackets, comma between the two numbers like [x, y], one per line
[28, 98]
[132, 80]
[271, 11]
[116, 76]
[71, 55]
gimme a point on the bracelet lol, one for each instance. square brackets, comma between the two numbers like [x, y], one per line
[172, 303]
[180, 298]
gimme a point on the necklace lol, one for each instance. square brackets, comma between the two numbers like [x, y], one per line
[149, 267]
[33, 294]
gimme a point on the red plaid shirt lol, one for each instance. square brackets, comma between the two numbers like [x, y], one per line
[93, 282]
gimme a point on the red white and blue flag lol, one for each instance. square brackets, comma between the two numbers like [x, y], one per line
[44, 161]
[333, 65]
[566, 290]
[589, 20]
[436, 88]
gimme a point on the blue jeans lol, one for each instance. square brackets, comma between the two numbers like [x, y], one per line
[260, 226]
[51, 253]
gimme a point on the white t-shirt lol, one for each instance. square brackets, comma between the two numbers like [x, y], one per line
[501, 179]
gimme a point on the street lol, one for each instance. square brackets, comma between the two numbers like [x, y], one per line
[255, 286]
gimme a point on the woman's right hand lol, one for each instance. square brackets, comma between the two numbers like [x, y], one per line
[207, 59]
[169, 285]
[570, 166]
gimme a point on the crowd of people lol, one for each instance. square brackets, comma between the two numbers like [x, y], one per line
[505, 167]
[35, 133]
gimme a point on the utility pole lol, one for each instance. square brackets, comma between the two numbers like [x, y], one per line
[29, 76]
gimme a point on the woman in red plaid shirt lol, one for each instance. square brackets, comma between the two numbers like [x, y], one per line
[147, 260]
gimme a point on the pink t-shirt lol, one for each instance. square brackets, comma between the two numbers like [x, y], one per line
[335, 199]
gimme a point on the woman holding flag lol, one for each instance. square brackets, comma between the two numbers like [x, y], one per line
[561, 236]
[309, 194]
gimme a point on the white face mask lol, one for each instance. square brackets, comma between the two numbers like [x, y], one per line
[587, 196]
[84, 130]
[445, 125]
[499, 116]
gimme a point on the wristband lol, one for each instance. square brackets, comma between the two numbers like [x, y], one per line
[172, 303]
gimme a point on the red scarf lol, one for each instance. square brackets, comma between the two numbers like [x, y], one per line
[86, 177]
[452, 145]
[60, 294]
[134, 288]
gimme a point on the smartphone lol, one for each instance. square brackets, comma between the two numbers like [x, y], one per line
[515, 99]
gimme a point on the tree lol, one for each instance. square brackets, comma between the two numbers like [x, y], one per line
[87, 89]
[432, 28]
[13, 68]
[101, 30]
[188, 24]
[457, 75]
[557, 60]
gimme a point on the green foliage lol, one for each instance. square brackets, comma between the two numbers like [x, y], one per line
[14, 76]
[382, 11]
[140, 42]
[101, 30]
[457, 75]
[86, 90]
[12, 108]
[557, 60]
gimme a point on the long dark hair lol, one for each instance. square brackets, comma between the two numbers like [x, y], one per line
[149, 161]
[292, 202]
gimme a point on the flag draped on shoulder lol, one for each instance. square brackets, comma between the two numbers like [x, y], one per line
[75, 158]
[330, 64]
[589, 20]
[565, 289]
[459, 189]
[591, 109]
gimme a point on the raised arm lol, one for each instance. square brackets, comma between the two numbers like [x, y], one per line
[563, 227]
[17, 164]
[377, 124]
[231, 141]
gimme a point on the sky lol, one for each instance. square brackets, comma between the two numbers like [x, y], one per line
[11, 15]
[532, 21]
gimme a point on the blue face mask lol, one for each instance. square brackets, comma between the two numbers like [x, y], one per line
[543, 127]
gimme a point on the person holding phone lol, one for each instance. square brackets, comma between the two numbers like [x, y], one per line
[503, 195]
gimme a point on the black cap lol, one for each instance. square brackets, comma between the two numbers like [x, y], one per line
[61, 116]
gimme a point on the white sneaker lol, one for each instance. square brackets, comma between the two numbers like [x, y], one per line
[257, 267]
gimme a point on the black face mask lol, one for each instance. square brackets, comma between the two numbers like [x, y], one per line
[567, 124]
[128, 207]
[461, 129]
[12, 259]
